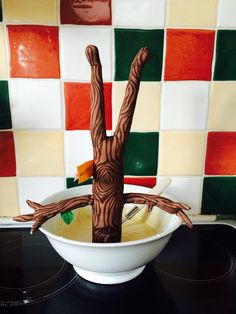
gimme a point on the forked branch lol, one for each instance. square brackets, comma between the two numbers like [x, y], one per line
[108, 198]
[163, 203]
[44, 212]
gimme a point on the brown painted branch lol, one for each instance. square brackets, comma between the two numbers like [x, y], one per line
[44, 212]
[163, 203]
[24, 218]
[108, 198]
[97, 119]
[108, 151]
[131, 94]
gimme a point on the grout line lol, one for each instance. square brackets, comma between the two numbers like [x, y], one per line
[214, 56]
[164, 54]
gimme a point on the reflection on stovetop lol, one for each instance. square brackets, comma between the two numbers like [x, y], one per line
[195, 273]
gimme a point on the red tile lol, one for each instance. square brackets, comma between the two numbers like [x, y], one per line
[77, 103]
[7, 155]
[86, 12]
[189, 54]
[149, 182]
[221, 153]
[34, 51]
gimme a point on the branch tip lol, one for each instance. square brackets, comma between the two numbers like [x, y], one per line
[92, 55]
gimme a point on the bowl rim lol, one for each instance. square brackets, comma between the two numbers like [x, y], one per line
[113, 244]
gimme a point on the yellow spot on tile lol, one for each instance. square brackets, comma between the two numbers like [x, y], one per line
[43, 11]
[222, 110]
[194, 13]
[39, 153]
[147, 110]
[181, 153]
[3, 64]
[8, 197]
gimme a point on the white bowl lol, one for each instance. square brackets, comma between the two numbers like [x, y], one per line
[109, 263]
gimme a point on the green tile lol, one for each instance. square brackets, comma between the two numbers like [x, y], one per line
[225, 65]
[141, 154]
[219, 195]
[5, 112]
[127, 44]
[70, 183]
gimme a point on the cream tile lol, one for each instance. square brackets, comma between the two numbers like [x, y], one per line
[3, 63]
[36, 104]
[227, 13]
[222, 113]
[74, 63]
[43, 11]
[186, 190]
[36, 189]
[149, 13]
[78, 149]
[39, 153]
[181, 153]
[184, 105]
[194, 13]
[146, 115]
[8, 197]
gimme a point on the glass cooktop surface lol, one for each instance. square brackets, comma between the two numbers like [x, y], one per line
[195, 273]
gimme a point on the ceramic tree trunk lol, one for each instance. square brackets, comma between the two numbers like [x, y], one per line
[107, 197]
[108, 200]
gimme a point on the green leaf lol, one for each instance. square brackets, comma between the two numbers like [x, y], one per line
[67, 217]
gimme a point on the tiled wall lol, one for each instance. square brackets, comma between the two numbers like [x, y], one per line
[185, 120]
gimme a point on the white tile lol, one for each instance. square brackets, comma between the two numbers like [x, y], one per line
[149, 13]
[186, 190]
[36, 189]
[74, 40]
[78, 149]
[3, 62]
[36, 104]
[227, 13]
[184, 106]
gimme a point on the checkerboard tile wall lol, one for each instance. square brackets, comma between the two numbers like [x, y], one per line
[185, 120]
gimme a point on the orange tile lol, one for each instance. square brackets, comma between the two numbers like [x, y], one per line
[34, 51]
[77, 103]
[189, 54]
[221, 153]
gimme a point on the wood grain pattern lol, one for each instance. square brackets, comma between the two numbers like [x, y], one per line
[108, 151]
[131, 94]
[44, 212]
[164, 203]
[108, 198]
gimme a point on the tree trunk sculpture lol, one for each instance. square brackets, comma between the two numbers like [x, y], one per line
[107, 197]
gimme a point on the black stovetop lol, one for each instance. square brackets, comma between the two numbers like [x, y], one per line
[195, 273]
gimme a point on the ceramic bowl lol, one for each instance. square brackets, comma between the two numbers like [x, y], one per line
[109, 263]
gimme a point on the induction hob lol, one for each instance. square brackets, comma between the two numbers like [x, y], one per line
[195, 273]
